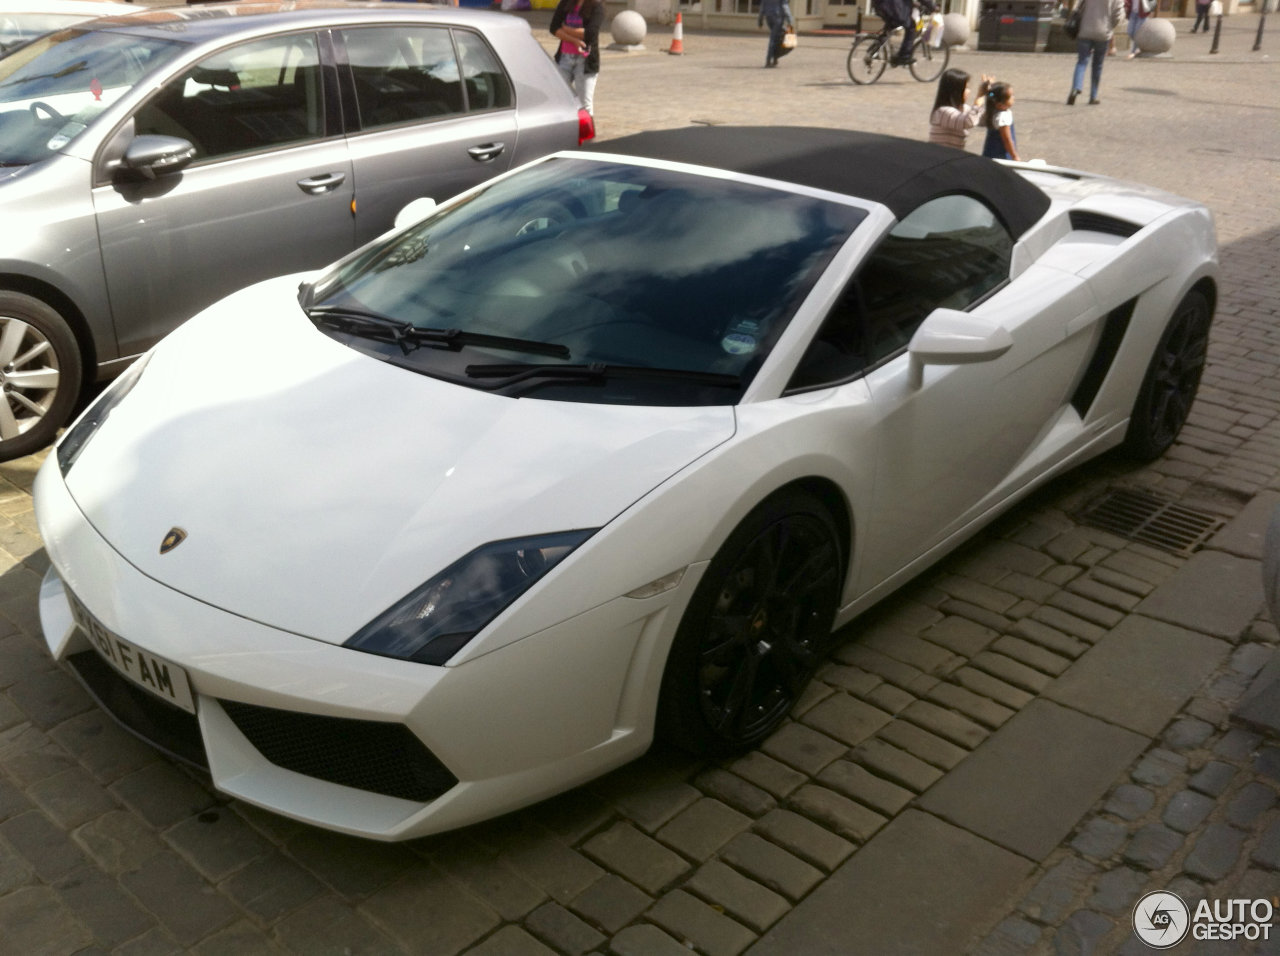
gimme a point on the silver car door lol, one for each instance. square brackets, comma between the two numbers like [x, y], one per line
[269, 191]
[434, 114]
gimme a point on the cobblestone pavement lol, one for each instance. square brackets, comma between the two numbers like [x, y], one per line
[1002, 758]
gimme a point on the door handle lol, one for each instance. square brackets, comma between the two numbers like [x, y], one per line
[325, 182]
[482, 154]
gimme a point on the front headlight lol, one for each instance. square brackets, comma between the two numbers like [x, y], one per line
[431, 623]
[78, 435]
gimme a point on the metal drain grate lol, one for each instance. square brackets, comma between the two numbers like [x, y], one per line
[1150, 519]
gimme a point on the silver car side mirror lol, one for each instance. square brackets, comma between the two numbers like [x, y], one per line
[152, 156]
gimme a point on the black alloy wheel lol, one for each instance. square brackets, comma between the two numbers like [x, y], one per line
[1169, 387]
[756, 628]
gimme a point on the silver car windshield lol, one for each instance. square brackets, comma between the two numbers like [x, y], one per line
[610, 282]
[53, 88]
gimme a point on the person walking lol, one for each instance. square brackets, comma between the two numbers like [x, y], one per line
[577, 23]
[1098, 22]
[951, 120]
[1137, 11]
[777, 14]
[1202, 16]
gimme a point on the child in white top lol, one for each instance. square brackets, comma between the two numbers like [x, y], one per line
[1002, 142]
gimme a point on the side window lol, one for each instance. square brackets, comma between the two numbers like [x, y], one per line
[403, 74]
[948, 253]
[260, 95]
[487, 86]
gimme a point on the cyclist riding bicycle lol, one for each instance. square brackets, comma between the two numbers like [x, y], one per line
[897, 13]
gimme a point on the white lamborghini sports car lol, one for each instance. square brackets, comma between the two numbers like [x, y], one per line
[600, 450]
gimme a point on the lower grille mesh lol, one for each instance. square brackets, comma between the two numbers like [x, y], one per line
[376, 756]
[158, 722]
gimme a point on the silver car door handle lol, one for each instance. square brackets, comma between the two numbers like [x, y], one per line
[482, 154]
[325, 182]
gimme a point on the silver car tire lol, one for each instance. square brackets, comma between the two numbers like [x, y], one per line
[40, 374]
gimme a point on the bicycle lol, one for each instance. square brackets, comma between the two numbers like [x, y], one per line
[872, 52]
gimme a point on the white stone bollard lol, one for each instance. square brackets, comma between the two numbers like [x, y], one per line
[628, 29]
[1155, 36]
[955, 29]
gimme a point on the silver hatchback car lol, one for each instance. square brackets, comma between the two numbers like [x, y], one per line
[153, 162]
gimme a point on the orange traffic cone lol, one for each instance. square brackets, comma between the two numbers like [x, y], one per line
[677, 38]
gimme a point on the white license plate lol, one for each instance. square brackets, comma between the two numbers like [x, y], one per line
[163, 678]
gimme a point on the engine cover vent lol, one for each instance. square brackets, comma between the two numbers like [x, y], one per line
[1098, 222]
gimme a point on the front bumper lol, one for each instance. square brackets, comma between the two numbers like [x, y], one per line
[350, 741]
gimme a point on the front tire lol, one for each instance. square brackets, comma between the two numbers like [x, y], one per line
[1169, 387]
[755, 630]
[865, 63]
[40, 374]
[928, 63]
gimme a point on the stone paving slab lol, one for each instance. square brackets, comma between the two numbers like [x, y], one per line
[1033, 780]
[1214, 592]
[1140, 674]
[1243, 535]
[880, 904]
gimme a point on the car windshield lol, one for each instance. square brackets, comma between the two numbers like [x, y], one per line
[609, 282]
[54, 87]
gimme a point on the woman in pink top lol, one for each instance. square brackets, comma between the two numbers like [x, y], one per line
[951, 120]
[576, 23]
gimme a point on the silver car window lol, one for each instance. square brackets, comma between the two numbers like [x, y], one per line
[487, 86]
[259, 95]
[54, 87]
[403, 74]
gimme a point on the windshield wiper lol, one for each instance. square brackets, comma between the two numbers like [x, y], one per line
[596, 372]
[373, 325]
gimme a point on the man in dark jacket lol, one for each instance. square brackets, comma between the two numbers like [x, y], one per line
[897, 13]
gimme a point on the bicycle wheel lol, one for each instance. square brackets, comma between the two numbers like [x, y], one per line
[866, 60]
[927, 63]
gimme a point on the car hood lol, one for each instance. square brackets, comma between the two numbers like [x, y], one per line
[317, 486]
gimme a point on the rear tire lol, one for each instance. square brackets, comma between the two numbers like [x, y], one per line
[40, 374]
[755, 630]
[866, 62]
[1169, 387]
[929, 63]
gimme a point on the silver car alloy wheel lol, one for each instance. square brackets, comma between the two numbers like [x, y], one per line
[29, 376]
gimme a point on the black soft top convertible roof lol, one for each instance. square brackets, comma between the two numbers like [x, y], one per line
[898, 173]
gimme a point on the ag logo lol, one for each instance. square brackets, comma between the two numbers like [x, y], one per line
[1161, 920]
[171, 540]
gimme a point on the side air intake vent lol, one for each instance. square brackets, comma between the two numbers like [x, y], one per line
[1097, 222]
[1114, 327]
